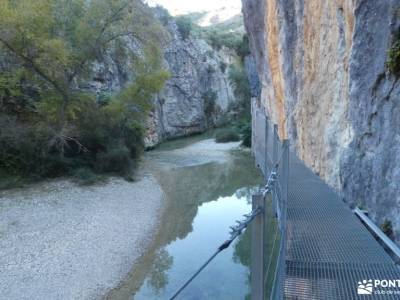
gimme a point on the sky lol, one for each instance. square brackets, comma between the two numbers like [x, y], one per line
[184, 6]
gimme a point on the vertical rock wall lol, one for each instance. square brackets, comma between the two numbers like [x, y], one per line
[198, 94]
[322, 65]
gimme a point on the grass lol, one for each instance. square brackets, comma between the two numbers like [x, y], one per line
[10, 181]
[85, 176]
[227, 135]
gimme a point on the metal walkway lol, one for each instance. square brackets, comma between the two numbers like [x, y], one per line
[328, 251]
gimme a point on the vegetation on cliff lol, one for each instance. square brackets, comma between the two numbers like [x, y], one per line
[228, 34]
[185, 26]
[393, 61]
[50, 125]
[229, 39]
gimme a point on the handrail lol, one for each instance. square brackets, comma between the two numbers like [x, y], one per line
[341, 259]
[272, 156]
[381, 235]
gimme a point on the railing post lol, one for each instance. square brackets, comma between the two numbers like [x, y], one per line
[284, 193]
[285, 176]
[274, 161]
[266, 148]
[257, 250]
[253, 128]
[275, 145]
[280, 274]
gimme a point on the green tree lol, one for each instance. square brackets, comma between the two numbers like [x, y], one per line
[185, 26]
[57, 41]
[240, 82]
[54, 125]
[15, 99]
[243, 47]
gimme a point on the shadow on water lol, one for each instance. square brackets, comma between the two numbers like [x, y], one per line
[202, 201]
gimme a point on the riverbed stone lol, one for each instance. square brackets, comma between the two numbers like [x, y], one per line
[63, 241]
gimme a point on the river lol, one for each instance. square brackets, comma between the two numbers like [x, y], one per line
[207, 187]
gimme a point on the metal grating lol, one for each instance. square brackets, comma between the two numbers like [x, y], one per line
[328, 250]
[333, 280]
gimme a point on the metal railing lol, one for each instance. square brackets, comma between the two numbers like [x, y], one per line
[268, 247]
[268, 216]
[311, 247]
[316, 249]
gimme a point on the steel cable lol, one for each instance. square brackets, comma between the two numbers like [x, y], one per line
[235, 232]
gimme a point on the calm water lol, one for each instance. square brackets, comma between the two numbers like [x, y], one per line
[208, 187]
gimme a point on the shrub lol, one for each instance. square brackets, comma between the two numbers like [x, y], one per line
[8, 181]
[22, 147]
[393, 62]
[52, 124]
[16, 97]
[229, 40]
[164, 15]
[209, 98]
[243, 127]
[246, 135]
[223, 66]
[227, 135]
[241, 87]
[104, 98]
[243, 48]
[387, 228]
[239, 80]
[219, 39]
[115, 160]
[185, 26]
[85, 176]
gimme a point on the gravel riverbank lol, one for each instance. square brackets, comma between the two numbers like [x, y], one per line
[62, 241]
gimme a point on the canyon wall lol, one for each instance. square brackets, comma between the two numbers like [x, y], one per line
[198, 94]
[322, 66]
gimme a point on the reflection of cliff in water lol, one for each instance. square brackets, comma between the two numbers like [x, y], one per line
[198, 173]
[241, 253]
[242, 249]
[158, 277]
[188, 187]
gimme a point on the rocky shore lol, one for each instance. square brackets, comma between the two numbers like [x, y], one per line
[59, 240]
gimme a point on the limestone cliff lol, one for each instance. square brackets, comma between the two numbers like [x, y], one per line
[324, 78]
[198, 94]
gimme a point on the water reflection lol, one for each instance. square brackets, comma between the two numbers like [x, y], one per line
[158, 277]
[203, 200]
[225, 278]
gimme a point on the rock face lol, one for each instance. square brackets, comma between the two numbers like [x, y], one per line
[324, 78]
[252, 75]
[198, 94]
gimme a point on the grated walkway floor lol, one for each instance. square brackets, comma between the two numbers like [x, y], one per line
[328, 248]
